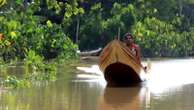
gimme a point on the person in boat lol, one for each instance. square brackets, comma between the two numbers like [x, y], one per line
[134, 48]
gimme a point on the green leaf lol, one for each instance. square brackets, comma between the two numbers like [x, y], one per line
[19, 2]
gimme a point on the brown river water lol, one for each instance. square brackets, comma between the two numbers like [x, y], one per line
[170, 87]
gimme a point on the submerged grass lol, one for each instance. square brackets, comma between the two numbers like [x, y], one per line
[32, 73]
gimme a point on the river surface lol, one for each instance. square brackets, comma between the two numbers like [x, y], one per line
[170, 87]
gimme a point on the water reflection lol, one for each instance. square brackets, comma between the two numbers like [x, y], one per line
[170, 74]
[171, 86]
[59, 95]
[121, 99]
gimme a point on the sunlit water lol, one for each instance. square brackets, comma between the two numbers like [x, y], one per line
[170, 87]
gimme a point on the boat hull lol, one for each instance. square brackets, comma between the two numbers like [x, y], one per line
[119, 66]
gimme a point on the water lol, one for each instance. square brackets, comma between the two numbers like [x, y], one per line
[170, 87]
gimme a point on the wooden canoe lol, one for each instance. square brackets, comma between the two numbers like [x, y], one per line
[119, 66]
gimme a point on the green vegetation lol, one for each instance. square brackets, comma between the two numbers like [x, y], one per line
[36, 31]
[162, 28]
[34, 70]
[33, 41]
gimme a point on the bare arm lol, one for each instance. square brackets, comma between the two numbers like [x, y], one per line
[139, 57]
[138, 54]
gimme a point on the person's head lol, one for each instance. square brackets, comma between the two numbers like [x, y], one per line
[128, 38]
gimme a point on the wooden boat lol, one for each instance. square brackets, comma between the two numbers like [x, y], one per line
[119, 66]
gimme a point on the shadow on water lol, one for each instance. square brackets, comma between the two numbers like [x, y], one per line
[137, 84]
[119, 96]
[122, 98]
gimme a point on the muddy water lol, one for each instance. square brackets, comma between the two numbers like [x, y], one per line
[170, 87]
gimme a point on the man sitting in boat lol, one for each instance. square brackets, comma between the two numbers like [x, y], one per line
[135, 50]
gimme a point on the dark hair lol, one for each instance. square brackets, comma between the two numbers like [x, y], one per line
[128, 34]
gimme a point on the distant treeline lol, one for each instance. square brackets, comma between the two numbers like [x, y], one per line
[161, 27]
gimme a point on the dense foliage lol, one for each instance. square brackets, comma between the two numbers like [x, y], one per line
[160, 27]
[21, 32]
[32, 40]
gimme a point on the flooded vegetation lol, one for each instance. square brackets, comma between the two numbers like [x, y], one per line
[170, 86]
[40, 38]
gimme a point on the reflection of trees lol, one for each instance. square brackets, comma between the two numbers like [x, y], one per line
[60, 95]
[84, 96]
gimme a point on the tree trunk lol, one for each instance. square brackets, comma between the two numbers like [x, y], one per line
[77, 30]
